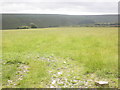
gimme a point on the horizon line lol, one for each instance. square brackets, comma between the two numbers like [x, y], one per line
[60, 14]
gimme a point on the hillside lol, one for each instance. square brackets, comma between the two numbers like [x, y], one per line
[12, 21]
[64, 57]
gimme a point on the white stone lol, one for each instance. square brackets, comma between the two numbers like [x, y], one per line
[101, 83]
[53, 82]
[51, 86]
[64, 62]
[59, 72]
[10, 81]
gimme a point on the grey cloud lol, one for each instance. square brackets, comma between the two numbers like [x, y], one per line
[101, 7]
[59, 0]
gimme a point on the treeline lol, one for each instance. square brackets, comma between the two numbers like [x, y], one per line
[22, 21]
[32, 25]
[107, 24]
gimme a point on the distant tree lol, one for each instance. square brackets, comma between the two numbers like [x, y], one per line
[23, 27]
[32, 25]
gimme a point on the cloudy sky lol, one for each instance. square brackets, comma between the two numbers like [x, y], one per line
[70, 7]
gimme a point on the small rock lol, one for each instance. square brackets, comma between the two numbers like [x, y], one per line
[50, 56]
[20, 78]
[10, 81]
[58, 68]
[59, 73]
[53, 82]
[64, 62]
[15, 84]
[24, 71]
[101, 83]
[54, 65]
[50, 71]
[51, 86]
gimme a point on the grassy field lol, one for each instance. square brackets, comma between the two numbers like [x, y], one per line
[60, 57]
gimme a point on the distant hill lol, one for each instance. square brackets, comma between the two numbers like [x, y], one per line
[12, 21]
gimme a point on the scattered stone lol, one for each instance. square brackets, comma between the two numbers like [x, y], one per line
[22, 70]
[20, 78]
[15, 84]
[10, 81]
[50, 56]
[65, 67]
[63, 74]
[53, 82]
[64, 62]
[101, 83]
[59, 73]
[51, 86]
[58, 68]
[50, 71]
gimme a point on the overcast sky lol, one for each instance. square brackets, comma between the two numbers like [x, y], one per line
[70, 7]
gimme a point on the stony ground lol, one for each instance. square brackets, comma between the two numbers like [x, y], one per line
[95, 47]
[22, 70]
[64, 73]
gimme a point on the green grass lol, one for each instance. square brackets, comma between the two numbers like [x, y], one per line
[93, 50]
[0, 59]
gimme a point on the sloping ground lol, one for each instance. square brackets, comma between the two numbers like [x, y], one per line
[12, 21]
[62, 72]
[66, 73]
[60, 57]
[22, 70]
